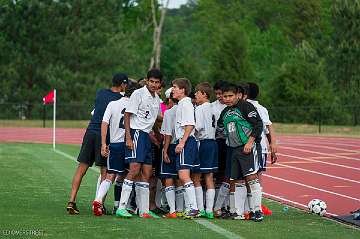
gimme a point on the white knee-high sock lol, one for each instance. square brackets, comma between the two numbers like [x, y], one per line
[179, 199]
[223, 193]
[246, 204]
[125, 193]
[190, 193]
[256, 194]
[210, 197]
[232, 202]
[170, 196]
[98, 185]
[240, 196]
[103, 189]
[159, 193]
[144, 196]
[199, 198]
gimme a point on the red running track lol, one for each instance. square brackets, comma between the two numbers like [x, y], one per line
[327, 168]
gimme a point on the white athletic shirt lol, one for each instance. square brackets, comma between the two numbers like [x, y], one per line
[114, 116]
[205, 122]
[217, 107]
[168, 124]
[264, 115]
[185, 115]
[144, 108]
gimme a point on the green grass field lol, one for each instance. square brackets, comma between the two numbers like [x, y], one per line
[35, 184]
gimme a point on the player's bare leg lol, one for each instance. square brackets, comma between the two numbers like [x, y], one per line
[79, 174]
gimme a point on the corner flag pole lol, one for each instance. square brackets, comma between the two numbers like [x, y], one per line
[54, 119]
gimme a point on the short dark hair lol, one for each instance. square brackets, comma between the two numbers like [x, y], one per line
[253, 90]
[131, 88]
[230, 87]
[183, 83]
[245, 86]
[204, 87]
[119, 78]
[218, 84]
[154, 73]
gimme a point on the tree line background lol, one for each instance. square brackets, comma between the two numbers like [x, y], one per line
[303, 54]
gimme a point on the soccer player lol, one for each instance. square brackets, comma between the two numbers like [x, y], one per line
[140, 115]
[208, 150]
[267, 136]
[113, 117]
[168, 172]
[186, 148]
[243, 127]
[90, 151]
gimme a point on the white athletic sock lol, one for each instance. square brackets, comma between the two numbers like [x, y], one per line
[159, 193]
[179, 198]
[170, 196]
[232, 202]
[223, 193]
[210, 197]
[144, 196]
[190, 193]
[98, 185]
[240, 196]
[246, 204]
[103, 189]
[137, 197]
[250, 202]
[256, 194]
[199, 198]
[125, 193]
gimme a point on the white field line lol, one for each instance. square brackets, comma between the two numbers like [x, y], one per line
[293, 202]
[315, 188]
[322, 174]
[225, 233]
[322, 146]
[315, 152]
[318, 161]
[217, 229]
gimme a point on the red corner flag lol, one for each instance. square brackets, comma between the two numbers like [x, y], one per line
[49, 98]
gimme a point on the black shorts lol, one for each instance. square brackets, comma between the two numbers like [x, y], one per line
[90, 151]
[242, 164]
[221, 155]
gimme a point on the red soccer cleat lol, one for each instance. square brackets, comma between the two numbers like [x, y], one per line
[97, 208]
[266, 211]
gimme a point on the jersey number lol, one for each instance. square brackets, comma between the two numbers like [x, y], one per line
[147, 114]
[121, 124]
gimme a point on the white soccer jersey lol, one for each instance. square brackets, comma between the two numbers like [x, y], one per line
[144, 108]
[168, 124]
[205, 122]
[264, 115]
[217, 107]
[185, 115]
[114, 116]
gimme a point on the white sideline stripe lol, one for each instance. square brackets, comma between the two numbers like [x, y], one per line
[315, 172]
[324, 147]
[307, 186]
[329, 143]
[293, 202]
[73, 159]
[217, 229]
[318, 161]
[315, 152]
[202, 222]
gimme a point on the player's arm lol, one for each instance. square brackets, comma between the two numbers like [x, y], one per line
[272, 142]
[129, 143]
[252, 116]
[104, 147]
[167, 140]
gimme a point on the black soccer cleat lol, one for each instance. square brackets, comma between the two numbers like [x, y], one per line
[258, 216]
[72, 209]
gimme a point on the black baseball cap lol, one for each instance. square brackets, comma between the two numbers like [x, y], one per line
[120, 78]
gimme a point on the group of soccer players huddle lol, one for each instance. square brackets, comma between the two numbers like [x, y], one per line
[200, 143]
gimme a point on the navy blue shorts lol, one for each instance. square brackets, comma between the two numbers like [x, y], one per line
[229, 152]
[208, 156]
[262, 162]
[188, 158]
[168, 170]
[142, 152]
[116, 159]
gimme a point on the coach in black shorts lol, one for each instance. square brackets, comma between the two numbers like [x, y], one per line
[90, 151]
